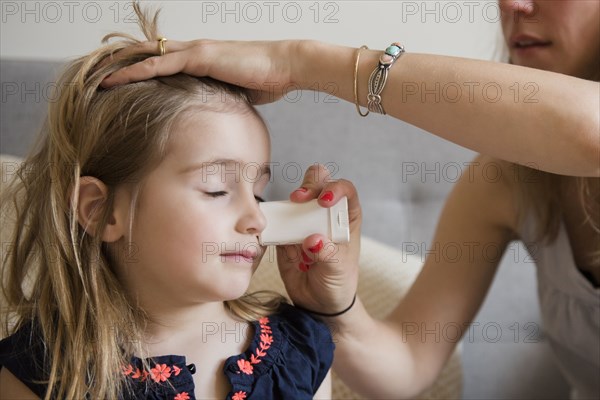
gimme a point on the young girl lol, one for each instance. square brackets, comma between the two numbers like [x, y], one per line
[554, 209]
[135, 241]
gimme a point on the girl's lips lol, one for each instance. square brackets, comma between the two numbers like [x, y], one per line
[244, 255]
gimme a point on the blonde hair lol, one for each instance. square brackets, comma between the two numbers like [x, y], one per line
[57, 274]
[540, 194]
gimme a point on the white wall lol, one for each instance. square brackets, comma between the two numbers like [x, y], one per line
[64, 29]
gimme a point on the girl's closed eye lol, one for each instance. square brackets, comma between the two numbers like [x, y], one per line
[219, 193]
[222, 193]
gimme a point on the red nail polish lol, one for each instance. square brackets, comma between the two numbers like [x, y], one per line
[303, 267]
[306, 258]
[317, 247]
[327, 196]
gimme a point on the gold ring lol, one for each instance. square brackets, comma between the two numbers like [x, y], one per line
[161, 46]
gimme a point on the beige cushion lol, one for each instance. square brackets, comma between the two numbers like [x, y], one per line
[385, 276]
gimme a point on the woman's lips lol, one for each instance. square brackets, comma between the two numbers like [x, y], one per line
[526, 47]
[525, 42]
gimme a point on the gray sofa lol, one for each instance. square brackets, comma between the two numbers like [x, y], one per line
[403, 176]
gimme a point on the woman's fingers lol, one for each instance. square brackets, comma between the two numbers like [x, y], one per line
[334, 191]
[169, 64]
[152, 47]
[319, 249]
[262, 67]
[315, 178]
[317, 183]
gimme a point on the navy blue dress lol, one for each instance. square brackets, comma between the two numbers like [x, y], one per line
[288, 358]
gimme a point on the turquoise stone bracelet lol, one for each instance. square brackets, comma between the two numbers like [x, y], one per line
[379, 76]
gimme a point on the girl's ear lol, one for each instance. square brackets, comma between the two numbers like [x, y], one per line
[93, 195]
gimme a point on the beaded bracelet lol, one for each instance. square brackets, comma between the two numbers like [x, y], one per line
[379, 76]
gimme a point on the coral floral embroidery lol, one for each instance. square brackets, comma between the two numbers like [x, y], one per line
[176, 370]
[160, 373]
[239, 395]
[247, 366]
[127, 370]
[137, 374]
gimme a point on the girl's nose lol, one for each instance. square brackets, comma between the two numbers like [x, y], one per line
[252, 220]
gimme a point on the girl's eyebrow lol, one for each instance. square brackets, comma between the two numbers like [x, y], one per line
[209, 167]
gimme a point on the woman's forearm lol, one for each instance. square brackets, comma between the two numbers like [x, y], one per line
[541, 119]
[372, 358]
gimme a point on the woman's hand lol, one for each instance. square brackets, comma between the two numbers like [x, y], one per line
[320, 275]
[263, 67]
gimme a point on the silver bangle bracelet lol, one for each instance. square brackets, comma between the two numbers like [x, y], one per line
[379, 76]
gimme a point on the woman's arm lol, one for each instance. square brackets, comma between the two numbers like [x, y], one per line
[542, 119]
[402, 356]
[546, 120]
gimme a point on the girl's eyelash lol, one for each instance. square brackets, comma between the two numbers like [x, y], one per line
[223, 193]
[216, 194]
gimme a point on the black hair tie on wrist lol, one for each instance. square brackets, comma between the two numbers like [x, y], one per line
[330, 315]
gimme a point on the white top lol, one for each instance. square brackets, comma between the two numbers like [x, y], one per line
[570, 308]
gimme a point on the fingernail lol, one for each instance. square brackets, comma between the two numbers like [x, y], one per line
[303, 267]
[317, 247]
[301, 190]
[327, 196]
[306, 258]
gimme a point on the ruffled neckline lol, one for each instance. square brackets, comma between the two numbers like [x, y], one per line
[171, 373]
